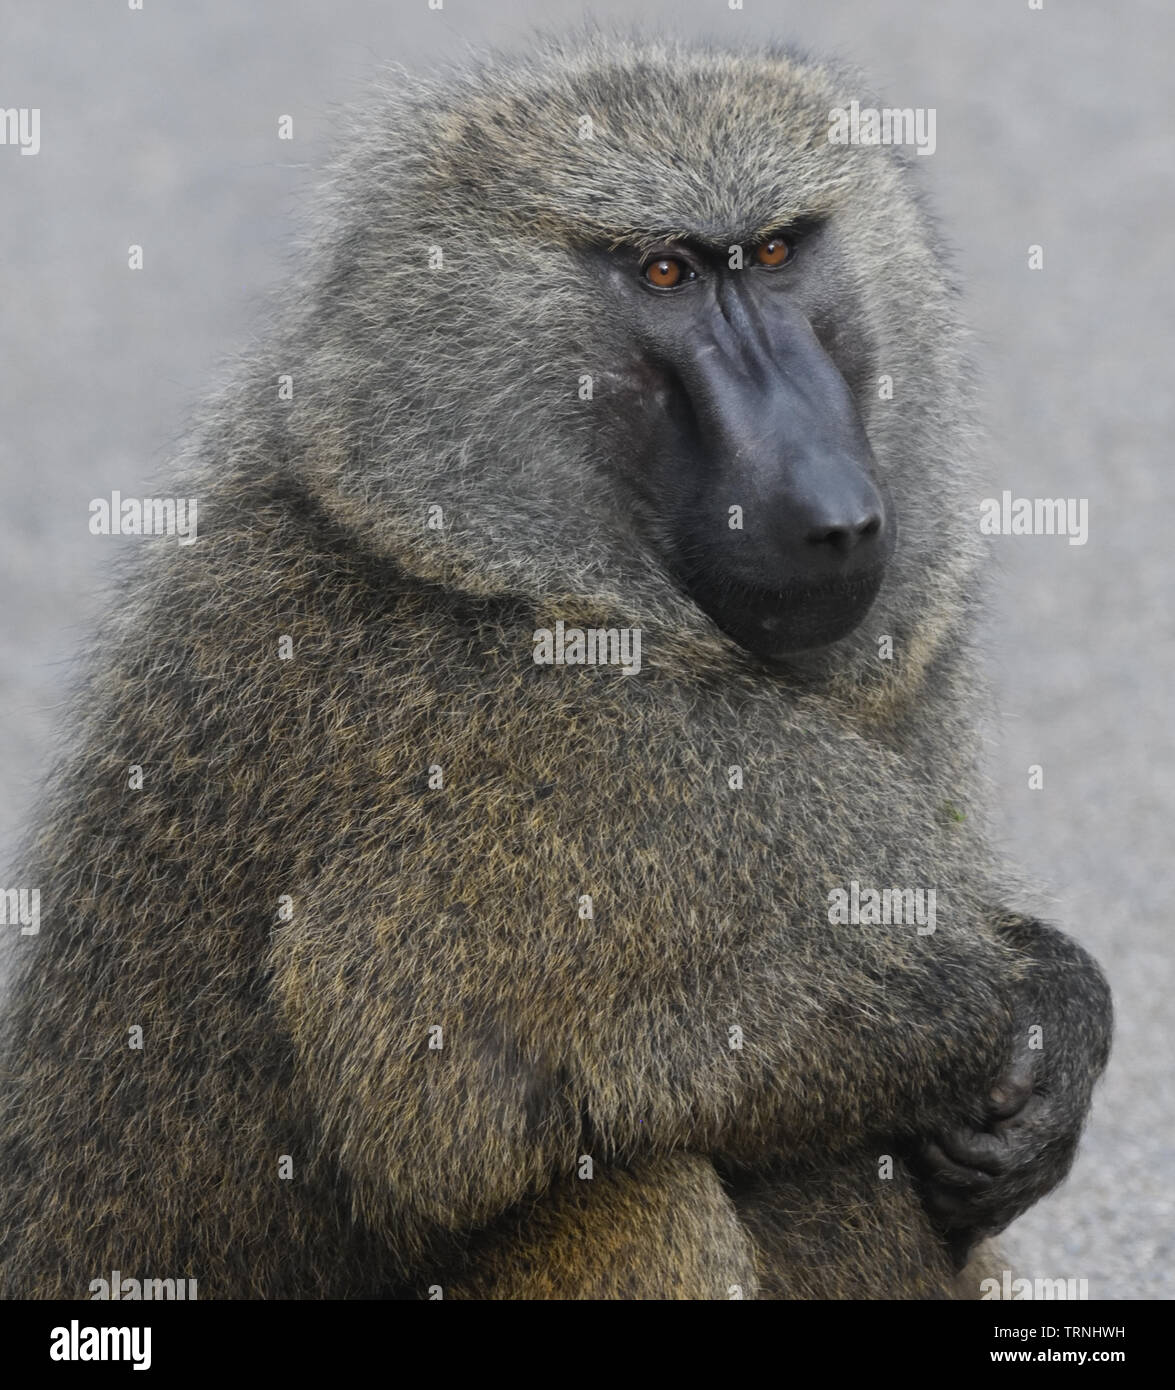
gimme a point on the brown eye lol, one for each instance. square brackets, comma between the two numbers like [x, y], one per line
[773, 252]
[667, 272]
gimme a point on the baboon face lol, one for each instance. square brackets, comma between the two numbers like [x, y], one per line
[751, 457]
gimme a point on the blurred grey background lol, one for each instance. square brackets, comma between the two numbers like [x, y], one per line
[159, 127]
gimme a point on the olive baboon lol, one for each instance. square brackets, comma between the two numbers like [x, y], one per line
[459, 967]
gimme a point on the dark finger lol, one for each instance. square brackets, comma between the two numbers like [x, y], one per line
[1013, 1090]
[973, 1149]
[938, 1166]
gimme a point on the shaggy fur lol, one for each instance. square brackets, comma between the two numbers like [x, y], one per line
[716, 1169]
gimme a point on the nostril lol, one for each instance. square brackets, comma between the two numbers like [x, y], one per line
[838, 537]
[844, 538]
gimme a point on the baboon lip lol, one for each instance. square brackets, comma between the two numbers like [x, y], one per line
[796, 617]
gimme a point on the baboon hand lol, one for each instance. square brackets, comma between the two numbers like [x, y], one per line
[979, 1175]
[977, 1180]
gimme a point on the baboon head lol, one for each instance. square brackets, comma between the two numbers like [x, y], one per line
[651, 342]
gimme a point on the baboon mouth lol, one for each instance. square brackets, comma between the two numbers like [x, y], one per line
[794, 618]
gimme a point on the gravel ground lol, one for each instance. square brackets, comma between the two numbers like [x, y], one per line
[158, 127]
